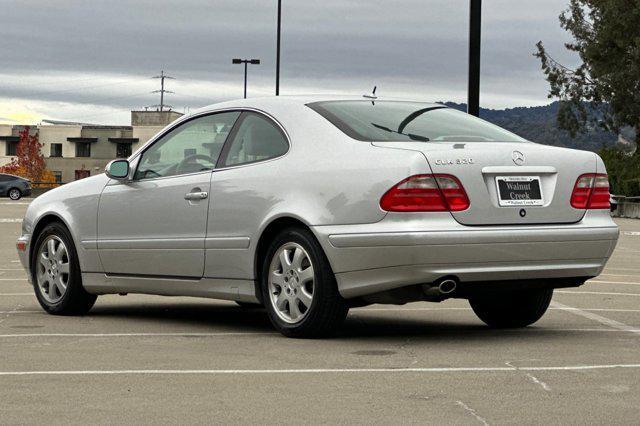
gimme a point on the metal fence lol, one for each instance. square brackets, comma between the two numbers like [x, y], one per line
[38, 188]
[46, 185]
[627, 207]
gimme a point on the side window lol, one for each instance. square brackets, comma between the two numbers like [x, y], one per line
[257, 138]
[191, 147]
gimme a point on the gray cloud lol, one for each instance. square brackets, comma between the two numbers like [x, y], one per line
[404, 46]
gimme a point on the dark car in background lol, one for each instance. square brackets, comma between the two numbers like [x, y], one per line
[14, 187]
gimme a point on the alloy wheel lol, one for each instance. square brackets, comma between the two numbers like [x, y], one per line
[291, 283]
[14, 194]
[52, 269]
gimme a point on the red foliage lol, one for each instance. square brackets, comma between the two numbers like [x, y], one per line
[30, 162]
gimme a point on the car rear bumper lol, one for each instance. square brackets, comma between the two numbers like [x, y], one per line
[401, 251]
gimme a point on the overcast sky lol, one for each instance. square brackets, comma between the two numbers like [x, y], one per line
[92, 60]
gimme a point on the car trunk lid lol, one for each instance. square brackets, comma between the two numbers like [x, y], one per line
[520, 169]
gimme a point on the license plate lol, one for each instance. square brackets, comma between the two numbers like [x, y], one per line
[519, 191]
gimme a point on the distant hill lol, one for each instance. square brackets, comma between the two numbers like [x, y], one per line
[538, 124]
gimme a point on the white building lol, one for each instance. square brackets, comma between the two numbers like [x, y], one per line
[74, 150]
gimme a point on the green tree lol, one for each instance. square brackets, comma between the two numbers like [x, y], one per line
[604, 89]
[623, 170]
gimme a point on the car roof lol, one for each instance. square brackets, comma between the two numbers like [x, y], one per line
[13, 176]
[268, 102]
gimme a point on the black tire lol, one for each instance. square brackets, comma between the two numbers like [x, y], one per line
[75, 301]
[328, 309]
[512, 310]
[249, 305]
[12, 191]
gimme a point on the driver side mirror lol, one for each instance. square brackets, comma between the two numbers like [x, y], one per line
[117, 169]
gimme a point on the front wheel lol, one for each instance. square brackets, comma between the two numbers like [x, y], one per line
[512, 310]
[56, 273]
[299, 288]
[15, 194]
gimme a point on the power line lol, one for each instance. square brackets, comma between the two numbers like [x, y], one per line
[82, 88]
[162, 90]
[99, 101]
[58, 82]
[111, 112]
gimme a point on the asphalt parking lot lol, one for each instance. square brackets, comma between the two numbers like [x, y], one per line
[148, 359]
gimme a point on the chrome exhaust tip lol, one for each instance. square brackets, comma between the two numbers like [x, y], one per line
[447, 286]
[439, 288]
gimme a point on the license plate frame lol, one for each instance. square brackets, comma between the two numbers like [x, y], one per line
[524, 196]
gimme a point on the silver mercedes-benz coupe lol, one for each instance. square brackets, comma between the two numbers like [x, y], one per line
[312, 205]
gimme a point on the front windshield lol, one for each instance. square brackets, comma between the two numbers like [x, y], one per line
[394, 121]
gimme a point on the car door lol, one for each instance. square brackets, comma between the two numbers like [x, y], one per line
[155, 223]
[4, 184]
[242, 193]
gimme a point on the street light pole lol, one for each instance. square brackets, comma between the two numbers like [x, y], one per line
[278, 48]
[245, 62]
[245, 79]
[475, 15]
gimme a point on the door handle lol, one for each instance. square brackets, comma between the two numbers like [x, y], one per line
[196, 195]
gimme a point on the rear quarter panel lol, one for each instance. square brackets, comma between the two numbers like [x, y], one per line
[325, 178]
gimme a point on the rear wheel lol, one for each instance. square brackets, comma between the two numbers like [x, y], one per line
[56, 273]
[299, 288]
[512, 310]
[15, 194]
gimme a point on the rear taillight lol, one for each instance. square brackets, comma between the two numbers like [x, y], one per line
[426, 193]
[591, 191]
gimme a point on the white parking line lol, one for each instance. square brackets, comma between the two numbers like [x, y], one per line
[473, 412]
[620, 275]
[612, 282]
[5, 220]
[221, 334]
[595, 317]
[597, 292]
[601, 309]
[613, 268]
[533, 378]
[320, 370]
[13, 279]
[469, 309]
[15, 203]
[408, 309]
[17, 308]
[16, 294]
[539, 382]
[224, 334]
[355, 310]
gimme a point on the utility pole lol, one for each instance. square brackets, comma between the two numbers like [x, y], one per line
[162, 90]
[245, 62]
[475, 17]
[278, 48]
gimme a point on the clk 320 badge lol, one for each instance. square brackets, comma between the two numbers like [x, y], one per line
[454, 161]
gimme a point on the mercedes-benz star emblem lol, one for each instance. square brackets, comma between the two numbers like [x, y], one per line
[518, 158]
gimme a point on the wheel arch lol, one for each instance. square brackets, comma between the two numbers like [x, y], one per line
[275, 226]
[41, 223]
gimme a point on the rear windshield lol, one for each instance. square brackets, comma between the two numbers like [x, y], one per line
[394, 121]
